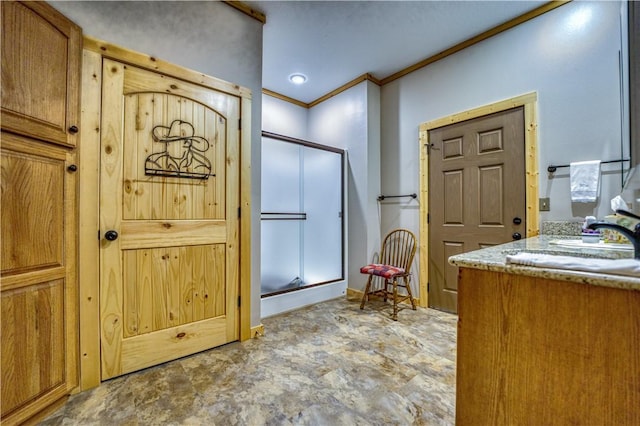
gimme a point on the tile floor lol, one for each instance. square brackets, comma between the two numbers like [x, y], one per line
[328, 364]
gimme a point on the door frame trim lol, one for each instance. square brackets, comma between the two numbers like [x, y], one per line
[529, 102]
[94, 51]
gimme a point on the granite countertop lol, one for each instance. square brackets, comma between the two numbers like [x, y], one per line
[494, 259]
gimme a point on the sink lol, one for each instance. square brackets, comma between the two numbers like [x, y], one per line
[601, 245]
[573, 262]
[574, 251]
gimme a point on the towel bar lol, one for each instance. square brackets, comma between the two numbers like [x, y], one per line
[382, 197]
[552, 169]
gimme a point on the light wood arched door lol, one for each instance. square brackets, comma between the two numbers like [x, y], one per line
[169, 227]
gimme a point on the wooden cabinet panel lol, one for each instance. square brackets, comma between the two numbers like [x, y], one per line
[39, 279]
[40, 72]
[33, 352]
[32, 200]
[539, 351]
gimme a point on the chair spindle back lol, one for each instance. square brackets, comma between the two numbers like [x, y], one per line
[398, 249]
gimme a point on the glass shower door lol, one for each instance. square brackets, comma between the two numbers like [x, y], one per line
[281, 228]
[322, 188]
[302, 226]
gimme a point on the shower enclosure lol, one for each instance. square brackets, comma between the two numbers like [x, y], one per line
[302, 215]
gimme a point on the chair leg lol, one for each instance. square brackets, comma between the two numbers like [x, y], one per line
[395, 300]
[407, 282]
[365, 296]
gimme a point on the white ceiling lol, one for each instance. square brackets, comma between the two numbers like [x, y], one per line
[333, 42]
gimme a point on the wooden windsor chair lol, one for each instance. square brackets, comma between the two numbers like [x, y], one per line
[396, 257]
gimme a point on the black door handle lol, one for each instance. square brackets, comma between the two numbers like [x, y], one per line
[516, 236]
[517, 220]
[111, 235]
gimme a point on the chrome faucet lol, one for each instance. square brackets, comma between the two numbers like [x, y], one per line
[632, 235]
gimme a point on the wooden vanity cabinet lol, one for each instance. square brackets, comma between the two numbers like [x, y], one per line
[541, 351]
[38, 271]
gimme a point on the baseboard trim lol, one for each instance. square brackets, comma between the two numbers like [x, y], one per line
[257, 331]
[354, 294]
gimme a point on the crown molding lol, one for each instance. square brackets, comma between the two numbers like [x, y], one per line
[247, 10]
[430, 60]
[346, 86]
[477, 39]
[284, 98]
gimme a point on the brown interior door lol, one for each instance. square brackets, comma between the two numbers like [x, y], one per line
[169, 197]
[476, 194]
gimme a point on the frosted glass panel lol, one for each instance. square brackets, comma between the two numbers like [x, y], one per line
[322, 189]
[301, 226]
[281, 180]
[280, 255]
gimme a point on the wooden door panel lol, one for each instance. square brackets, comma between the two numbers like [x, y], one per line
[169, 233]
[165, 345]
[146, 197]
[476, 178]
[152, 277]
[490, 141]
[454, 202]
[139, 81]
[169, 186]
[452, 148]
[451, 248]
[491, 184]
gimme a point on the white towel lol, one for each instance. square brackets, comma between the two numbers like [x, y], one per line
[585, 181]
[629, 267]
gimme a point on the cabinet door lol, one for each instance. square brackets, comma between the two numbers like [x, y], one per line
[38, 270]
[41, 51]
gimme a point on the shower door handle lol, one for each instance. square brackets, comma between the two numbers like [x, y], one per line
[282, 216]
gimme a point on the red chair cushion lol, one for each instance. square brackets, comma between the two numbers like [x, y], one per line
[385, 271]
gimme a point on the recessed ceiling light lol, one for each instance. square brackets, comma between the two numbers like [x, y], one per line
[297, 78]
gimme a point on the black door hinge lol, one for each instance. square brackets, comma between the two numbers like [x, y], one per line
[428, 287]
[427, 218]
[98, 235]
[239, 301]
[239, 123]
[239, 212]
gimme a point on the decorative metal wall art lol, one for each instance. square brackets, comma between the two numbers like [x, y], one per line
[191, 161]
